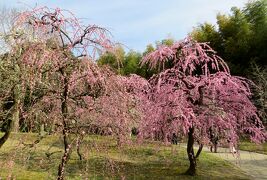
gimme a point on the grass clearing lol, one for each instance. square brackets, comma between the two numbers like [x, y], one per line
[104, 160]
[246, 145]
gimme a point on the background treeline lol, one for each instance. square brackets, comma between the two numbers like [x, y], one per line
[240, 38]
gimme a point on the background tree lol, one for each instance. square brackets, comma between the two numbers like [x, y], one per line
[9, 116]
[131, 63]
[259, 76]
[240, 37]
[16, 78]
[123, 63]
[7, 18]
[113, 59]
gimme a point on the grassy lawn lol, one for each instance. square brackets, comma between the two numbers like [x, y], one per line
[104, 160]
[246, 145]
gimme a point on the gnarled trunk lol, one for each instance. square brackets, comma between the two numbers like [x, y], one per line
[190, 153]
[190, 143]
[67, 152]
[64, 159]
[13, 117]
[67, 145]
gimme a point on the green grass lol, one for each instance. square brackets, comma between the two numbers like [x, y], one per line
[246, 145]
[104, 160]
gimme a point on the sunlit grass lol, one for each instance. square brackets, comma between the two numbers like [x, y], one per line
[104, 160]
[246, 145]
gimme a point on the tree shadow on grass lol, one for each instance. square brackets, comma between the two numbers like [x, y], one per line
[103, 168]
[112, 162]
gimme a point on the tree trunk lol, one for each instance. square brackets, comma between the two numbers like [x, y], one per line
[4, 138]
[13, 117]
[16, 108]
[67, 151]
[79, 141]
[16, 119]
[64, 159]
[67, 145]
[190, 143]
[190, 153]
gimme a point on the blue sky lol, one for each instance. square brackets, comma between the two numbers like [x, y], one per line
[136, 23]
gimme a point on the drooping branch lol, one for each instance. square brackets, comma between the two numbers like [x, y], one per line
[199, 150]
[62, 24]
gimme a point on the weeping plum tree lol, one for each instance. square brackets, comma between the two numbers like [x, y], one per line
[194, 95]
[67, 91]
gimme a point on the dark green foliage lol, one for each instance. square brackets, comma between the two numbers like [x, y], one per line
[241, 37]
[125, 64]
[129, 63]
[259, 76]
[110, 60]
